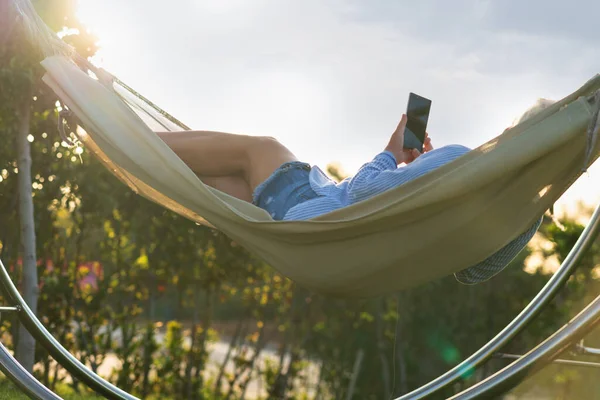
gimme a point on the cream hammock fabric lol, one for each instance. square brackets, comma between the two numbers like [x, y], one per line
[464, 211]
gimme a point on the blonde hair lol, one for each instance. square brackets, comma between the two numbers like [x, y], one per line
[540, 105]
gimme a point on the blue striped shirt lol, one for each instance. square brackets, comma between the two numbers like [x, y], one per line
[383, 174]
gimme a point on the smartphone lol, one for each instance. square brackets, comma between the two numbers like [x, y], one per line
[417, 112]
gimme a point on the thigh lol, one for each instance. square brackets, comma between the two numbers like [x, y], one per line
[233, 185]
[265, 155]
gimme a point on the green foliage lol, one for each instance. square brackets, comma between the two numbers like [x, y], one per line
[8, 391]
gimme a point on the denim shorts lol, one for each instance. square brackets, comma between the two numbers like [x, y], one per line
[287, 187]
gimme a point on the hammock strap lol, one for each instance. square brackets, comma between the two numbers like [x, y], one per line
[62, 121]
[45, 39]
[154, 106]
[108, 80]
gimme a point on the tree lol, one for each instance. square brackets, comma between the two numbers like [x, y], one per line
[25, 351]
[25, 97]
[21, 101]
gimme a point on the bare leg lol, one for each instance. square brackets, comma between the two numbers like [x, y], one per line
[218, 154]
[235, 186]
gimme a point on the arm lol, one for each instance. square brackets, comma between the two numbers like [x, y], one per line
[382, 173]
[495, 263]
[361, 186]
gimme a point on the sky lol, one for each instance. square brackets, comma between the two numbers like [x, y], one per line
[330, 78]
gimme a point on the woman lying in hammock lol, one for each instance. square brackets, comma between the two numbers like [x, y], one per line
[263, 171]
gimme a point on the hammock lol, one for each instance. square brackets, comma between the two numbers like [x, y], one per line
[466, 210]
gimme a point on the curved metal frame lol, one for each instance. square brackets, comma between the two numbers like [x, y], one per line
[520, 321]
[587, 350]
[22, 378]
[502, 381]
[56, 350]
[532, 362]
[499, 382]
[573, 363]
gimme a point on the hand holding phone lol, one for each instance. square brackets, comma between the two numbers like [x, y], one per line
[417, 113]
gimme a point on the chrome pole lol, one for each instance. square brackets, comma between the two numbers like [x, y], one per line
[521, 321]
[23, 379]
[587, 350]
[56, 350]
[573, 363]
[532, 362]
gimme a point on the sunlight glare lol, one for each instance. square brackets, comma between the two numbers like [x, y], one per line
[544, 191]
[96, 17]
[87, 13]
[81, 133]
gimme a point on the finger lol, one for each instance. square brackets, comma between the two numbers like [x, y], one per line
[415, 153]
[401, 124]
[428, 145]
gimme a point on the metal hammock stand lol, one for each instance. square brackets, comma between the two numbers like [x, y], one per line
[566, 338]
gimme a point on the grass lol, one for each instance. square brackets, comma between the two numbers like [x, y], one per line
[8, 391]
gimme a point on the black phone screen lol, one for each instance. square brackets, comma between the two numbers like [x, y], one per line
[418, 114]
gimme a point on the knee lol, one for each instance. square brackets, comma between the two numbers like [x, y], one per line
[267, 153]
[270, 145]
[269, 141]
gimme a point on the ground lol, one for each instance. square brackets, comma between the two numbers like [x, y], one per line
[10, 392]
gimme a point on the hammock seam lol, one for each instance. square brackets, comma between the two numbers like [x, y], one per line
[592, 133]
